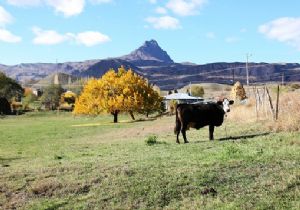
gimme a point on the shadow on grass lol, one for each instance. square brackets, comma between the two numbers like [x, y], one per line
[250, 136]
[198, 142]
[141, 120]
[5, 162]
[9, 159]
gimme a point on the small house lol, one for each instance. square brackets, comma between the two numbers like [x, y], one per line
[180, 98]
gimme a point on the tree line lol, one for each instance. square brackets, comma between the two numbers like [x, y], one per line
[115, 92]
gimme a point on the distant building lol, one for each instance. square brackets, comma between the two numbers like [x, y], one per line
[37, 92]
[180, 98]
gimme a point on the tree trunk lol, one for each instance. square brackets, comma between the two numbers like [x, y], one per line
[131, 115]
[115, 114]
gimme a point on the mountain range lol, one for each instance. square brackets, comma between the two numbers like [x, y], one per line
[152, 62]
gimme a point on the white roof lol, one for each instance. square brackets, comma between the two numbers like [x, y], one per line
[181, 96]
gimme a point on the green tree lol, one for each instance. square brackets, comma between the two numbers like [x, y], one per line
[51, 96]
[28, 100]
[9, 88]
[197, 90]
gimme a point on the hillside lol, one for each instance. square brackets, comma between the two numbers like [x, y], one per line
[154, 63]
[56, 78]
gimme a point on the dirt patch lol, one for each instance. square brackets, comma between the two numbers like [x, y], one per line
[209, 191]
[46, 187]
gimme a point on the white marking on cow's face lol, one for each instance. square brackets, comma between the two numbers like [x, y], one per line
[226, 104]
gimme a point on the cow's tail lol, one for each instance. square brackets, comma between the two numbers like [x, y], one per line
[177, 123]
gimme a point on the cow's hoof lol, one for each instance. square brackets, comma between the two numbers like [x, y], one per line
[177, 142]
[186, 142]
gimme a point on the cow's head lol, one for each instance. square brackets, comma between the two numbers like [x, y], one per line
[225, 104]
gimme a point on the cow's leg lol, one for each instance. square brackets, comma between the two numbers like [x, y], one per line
[177, 130]
[211, 132]
[177, 136]
[183, 131]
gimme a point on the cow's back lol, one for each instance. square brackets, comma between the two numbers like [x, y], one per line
[200, 115]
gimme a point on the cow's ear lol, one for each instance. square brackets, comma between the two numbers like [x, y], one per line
[231, 102]
[220, 103]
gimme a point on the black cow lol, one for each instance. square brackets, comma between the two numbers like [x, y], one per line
[200, 115]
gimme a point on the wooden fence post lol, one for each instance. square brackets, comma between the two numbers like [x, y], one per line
[255, 95]
[264, 101]
[277, 103]
[270, 101]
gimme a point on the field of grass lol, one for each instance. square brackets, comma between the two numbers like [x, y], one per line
[57, 161]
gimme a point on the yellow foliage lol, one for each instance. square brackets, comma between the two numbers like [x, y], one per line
[68, 97]
[69, 94]
[114, 92]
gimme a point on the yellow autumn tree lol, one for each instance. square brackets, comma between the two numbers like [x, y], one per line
[67, 100]
[115, 92]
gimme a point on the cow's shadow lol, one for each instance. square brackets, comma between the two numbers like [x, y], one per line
[250, 136]
[142, 120]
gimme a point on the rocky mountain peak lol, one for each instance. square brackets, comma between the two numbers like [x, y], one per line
[149, 51]
[151, 43]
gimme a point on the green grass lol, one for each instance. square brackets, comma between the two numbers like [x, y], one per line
[57, 161]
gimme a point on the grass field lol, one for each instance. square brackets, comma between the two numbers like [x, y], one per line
[51, 161]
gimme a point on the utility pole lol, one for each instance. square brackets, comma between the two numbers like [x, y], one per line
[282, 79]
[247, 67]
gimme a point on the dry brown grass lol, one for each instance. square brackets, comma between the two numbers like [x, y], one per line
[243, 112]
[288, 117]
[289, 113]
[46, 187]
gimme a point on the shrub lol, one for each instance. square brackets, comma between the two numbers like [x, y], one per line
[197, 90]
[295, 86]
[151, 140]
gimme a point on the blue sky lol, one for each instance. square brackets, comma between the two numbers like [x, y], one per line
[199, 31]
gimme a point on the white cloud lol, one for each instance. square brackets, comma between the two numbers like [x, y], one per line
[7, 36]
[185, 7]
[67, 7]
[48, 37]
[91, 38]
[164, 22]
[285, 29]
[210, 35]
[101, 1]
[51, 37]
[161, 10]
[153, 1]
[24, 2]
[5, 17]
